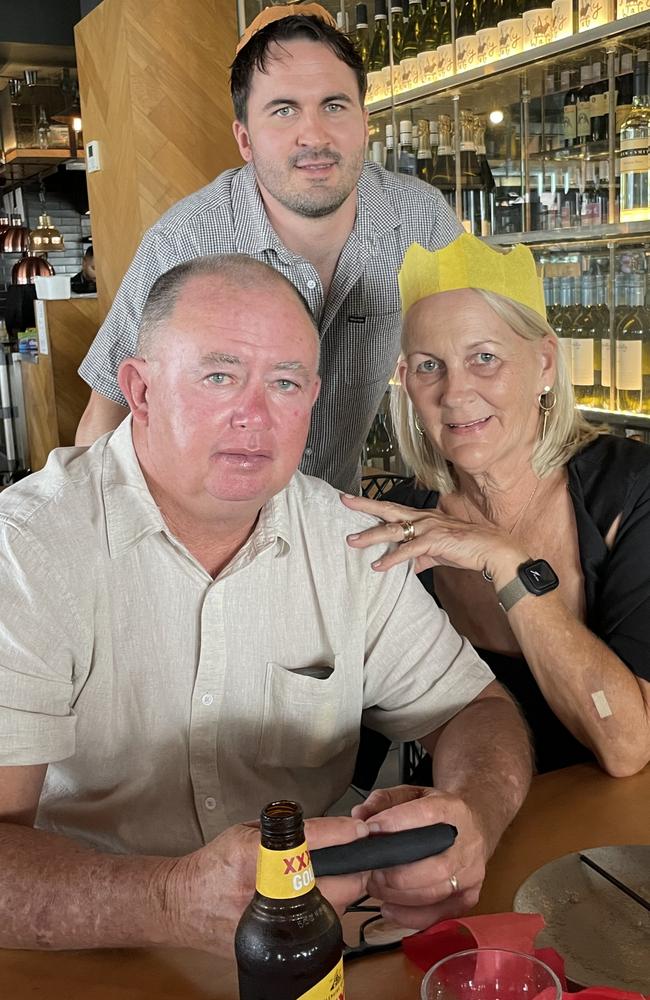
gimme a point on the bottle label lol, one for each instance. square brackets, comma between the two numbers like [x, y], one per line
[582, 361]
[570, 121]
[606, 365]
[330, 987]
[628, 364]
[566, 345]
[284, 874]
[409, 73]
[583, 118]
[635, 155]
[375, 89]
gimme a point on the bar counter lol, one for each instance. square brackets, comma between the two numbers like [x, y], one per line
[569, 810]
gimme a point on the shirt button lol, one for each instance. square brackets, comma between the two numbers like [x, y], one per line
[309, 451]
[210, 803]
[311, 283]
[207, 699]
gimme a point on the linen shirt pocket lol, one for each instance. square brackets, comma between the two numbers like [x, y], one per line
[372, 348]
[307, 719]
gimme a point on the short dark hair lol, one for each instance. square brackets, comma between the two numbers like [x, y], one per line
[254, 54]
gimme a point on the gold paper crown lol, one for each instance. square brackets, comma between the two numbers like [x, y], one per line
[470, 263]
[276, 13]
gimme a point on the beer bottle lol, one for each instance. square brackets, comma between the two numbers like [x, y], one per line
[289, 941]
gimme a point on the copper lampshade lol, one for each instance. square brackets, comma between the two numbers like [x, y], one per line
[29, 267]
[14, 239]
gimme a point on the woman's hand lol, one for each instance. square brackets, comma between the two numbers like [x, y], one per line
[440, 540]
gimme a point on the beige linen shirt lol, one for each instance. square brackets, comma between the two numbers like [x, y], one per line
[170, 705]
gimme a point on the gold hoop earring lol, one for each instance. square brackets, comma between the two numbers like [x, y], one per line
[418, 426]
[546, 402]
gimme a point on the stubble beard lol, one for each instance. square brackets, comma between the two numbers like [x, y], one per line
[318, 201]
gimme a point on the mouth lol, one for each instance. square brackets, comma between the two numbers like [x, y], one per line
[244, 459]
[469, 425]
[316, 166]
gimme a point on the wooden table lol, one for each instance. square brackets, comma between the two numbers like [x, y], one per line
[568, 810]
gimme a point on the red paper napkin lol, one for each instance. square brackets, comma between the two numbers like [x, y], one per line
[515, 931]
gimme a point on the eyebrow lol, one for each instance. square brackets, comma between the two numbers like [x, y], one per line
[283, 102]
[219, 358]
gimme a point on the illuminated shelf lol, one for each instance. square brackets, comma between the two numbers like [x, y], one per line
[522, 60]
[619, 232]
[617, 417]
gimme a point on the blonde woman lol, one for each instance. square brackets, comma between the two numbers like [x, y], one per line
[532, 526]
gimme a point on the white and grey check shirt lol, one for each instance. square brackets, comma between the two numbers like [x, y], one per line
[359, 322]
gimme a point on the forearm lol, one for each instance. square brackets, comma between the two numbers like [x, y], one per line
[55, 894]
[483, 755]
[571, 665]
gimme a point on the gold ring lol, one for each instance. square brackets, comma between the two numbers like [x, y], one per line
[453, 882]
[408, 529]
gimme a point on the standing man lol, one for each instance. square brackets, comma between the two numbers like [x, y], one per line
[306, 204]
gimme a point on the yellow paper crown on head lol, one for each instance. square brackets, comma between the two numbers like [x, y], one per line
[470, 263]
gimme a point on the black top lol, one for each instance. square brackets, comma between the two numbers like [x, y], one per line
[609, 477]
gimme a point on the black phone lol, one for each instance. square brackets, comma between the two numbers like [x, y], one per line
[383, 850]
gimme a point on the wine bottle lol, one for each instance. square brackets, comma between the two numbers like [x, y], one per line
[465, 18]
[424, 164]
[444, 176]
[564, 319]
[443, 23]
[429, 29]
[397, 27]
[632, 385]
[635, 149]
[602, 322]
[599, 110]
[570, 122]
[624, 89]
[406, 163]
[413, 32]
[590, 204]
[361, 33]
[391, 161]
[583, 106]
[585, 347]
[378, 54]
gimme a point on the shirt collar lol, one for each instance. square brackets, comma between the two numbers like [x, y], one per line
[255, 234]
[132, 514]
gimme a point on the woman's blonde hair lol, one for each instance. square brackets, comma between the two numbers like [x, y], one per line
[567, 431]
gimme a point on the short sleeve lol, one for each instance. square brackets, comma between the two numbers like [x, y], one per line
[37, 640]
[118, 334]
[447, 226]
[419, 671]
[623, 613]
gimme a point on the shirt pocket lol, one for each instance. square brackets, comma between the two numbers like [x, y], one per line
[371, 348]
[306, 720]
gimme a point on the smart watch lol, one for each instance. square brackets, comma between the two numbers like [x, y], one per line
[534, 577]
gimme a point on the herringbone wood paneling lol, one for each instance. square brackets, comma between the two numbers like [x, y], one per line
[154, 93]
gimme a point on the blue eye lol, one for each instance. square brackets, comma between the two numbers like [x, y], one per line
[286, 385]
[486, 358]
[284, 112]
[218, 378]
[428, 366]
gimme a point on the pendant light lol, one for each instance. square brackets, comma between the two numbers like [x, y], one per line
[46, 238]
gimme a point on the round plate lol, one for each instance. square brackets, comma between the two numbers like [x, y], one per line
[602, 934]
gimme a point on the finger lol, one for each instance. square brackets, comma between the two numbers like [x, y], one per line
[327, 831]
[384, 798]
[397, 885]
[341, 890]
[380, 508]
[386, 534]
[388, 810]
[404, 552]
[420, 917]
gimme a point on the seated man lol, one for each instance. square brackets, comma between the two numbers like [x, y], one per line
[186, 635]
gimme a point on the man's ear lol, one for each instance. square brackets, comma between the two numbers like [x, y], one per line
[242, 138]
[133, 380]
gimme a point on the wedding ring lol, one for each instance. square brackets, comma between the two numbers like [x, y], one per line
[453, 882]
[408, 529]
[486, 576]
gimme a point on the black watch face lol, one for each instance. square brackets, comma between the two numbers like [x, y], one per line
[538, 577]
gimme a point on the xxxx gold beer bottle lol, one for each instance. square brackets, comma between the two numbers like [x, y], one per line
[289, 940]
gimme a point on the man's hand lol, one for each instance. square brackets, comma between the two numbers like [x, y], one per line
[205, 893]
[419, 894]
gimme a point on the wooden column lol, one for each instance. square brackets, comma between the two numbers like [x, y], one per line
[154, 94]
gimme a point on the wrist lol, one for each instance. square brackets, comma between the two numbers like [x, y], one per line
[168, 891]
[501, 567]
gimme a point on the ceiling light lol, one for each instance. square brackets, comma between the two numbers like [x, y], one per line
[46, 237]
[496, 116]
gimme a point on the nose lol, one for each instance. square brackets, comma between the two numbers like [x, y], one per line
[252, 410]
[456, 386]
[312, 131]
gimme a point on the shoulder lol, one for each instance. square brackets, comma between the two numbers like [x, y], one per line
[419, 207]
[214, 199]
[319, 505]
[56, 495]
[611, 467]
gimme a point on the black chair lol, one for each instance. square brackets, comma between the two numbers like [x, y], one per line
[375, 486]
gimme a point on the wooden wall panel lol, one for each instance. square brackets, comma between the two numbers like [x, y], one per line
[154, 93]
